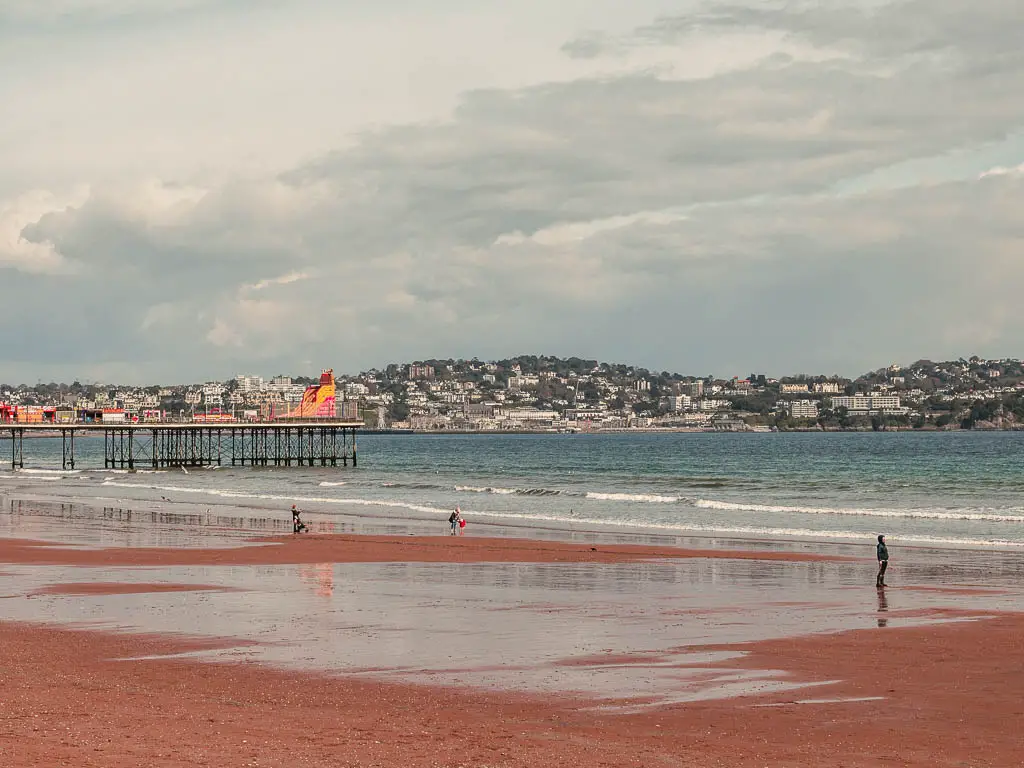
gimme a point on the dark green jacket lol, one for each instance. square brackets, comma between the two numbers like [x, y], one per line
[883, 553]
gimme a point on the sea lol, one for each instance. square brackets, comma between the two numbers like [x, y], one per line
[955, 489]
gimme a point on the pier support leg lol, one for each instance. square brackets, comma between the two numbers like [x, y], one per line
[17, 449]
[67, 446]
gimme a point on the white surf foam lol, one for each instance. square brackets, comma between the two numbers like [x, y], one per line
[230, 494]
[325, 484]
[743, 531]
[643, 498]
[923, 514]
[48, 472]
[575, 522]
[508, 491]
[476, 489]
[169, 488]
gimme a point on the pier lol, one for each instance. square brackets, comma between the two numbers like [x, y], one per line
[237, 444]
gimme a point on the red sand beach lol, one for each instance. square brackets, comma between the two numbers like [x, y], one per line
[339, 548]
[67, 701]
[945, 694]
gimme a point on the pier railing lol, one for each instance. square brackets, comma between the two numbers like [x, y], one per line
[159, 445]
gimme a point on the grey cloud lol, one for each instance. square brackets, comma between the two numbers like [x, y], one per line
[590, 46]
[590, 149]
[675, 224]
[803, 283]
[894, 28]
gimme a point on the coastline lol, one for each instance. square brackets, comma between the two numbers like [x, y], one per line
[688, 430]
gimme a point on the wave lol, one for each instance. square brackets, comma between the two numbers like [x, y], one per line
[643, 498]
[325, 484]
[127, 471]
[574, 522]
[923, 514]
[169, 488]
[48, 472]
[416, 486]
[740, 531]
[230, 494]
[509, 491]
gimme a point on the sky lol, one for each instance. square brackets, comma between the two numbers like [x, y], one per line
[194, 189]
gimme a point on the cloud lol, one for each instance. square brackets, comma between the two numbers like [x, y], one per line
[1003, 171]
[291, 277]
[61, 10]
[672, 216]
[25, 254]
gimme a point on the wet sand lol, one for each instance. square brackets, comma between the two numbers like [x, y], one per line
[319, 548]
[345, 650]
[911, 697]
[116, 588]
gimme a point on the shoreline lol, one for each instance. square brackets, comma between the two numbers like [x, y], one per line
[229, 512]
[565, 432]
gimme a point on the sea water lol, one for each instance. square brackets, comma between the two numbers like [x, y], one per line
[959, 489]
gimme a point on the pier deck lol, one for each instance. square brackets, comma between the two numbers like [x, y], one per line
[199, 444]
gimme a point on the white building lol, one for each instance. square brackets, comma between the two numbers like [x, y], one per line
[248, 384]
[867, 403]
[710, 404]
[787, 389]
[692, 388]
[803, 409]
[585, 414]
[679, 403]
[213, 393]
[828, 388]
[697, 419]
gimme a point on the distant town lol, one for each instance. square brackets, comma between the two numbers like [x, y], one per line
[551, 394]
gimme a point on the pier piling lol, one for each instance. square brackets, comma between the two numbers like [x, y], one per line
[171, 445]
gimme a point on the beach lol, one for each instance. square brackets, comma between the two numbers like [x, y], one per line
[67, 703]
[615, 600]
[225, 647]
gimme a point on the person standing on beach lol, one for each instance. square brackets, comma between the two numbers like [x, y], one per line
[883, 561]
[297, 525]
[453, 520]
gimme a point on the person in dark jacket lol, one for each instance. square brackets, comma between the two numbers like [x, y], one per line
[297, 525]
[883, 561]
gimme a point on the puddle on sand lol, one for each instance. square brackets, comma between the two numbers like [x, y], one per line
[629, 635]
